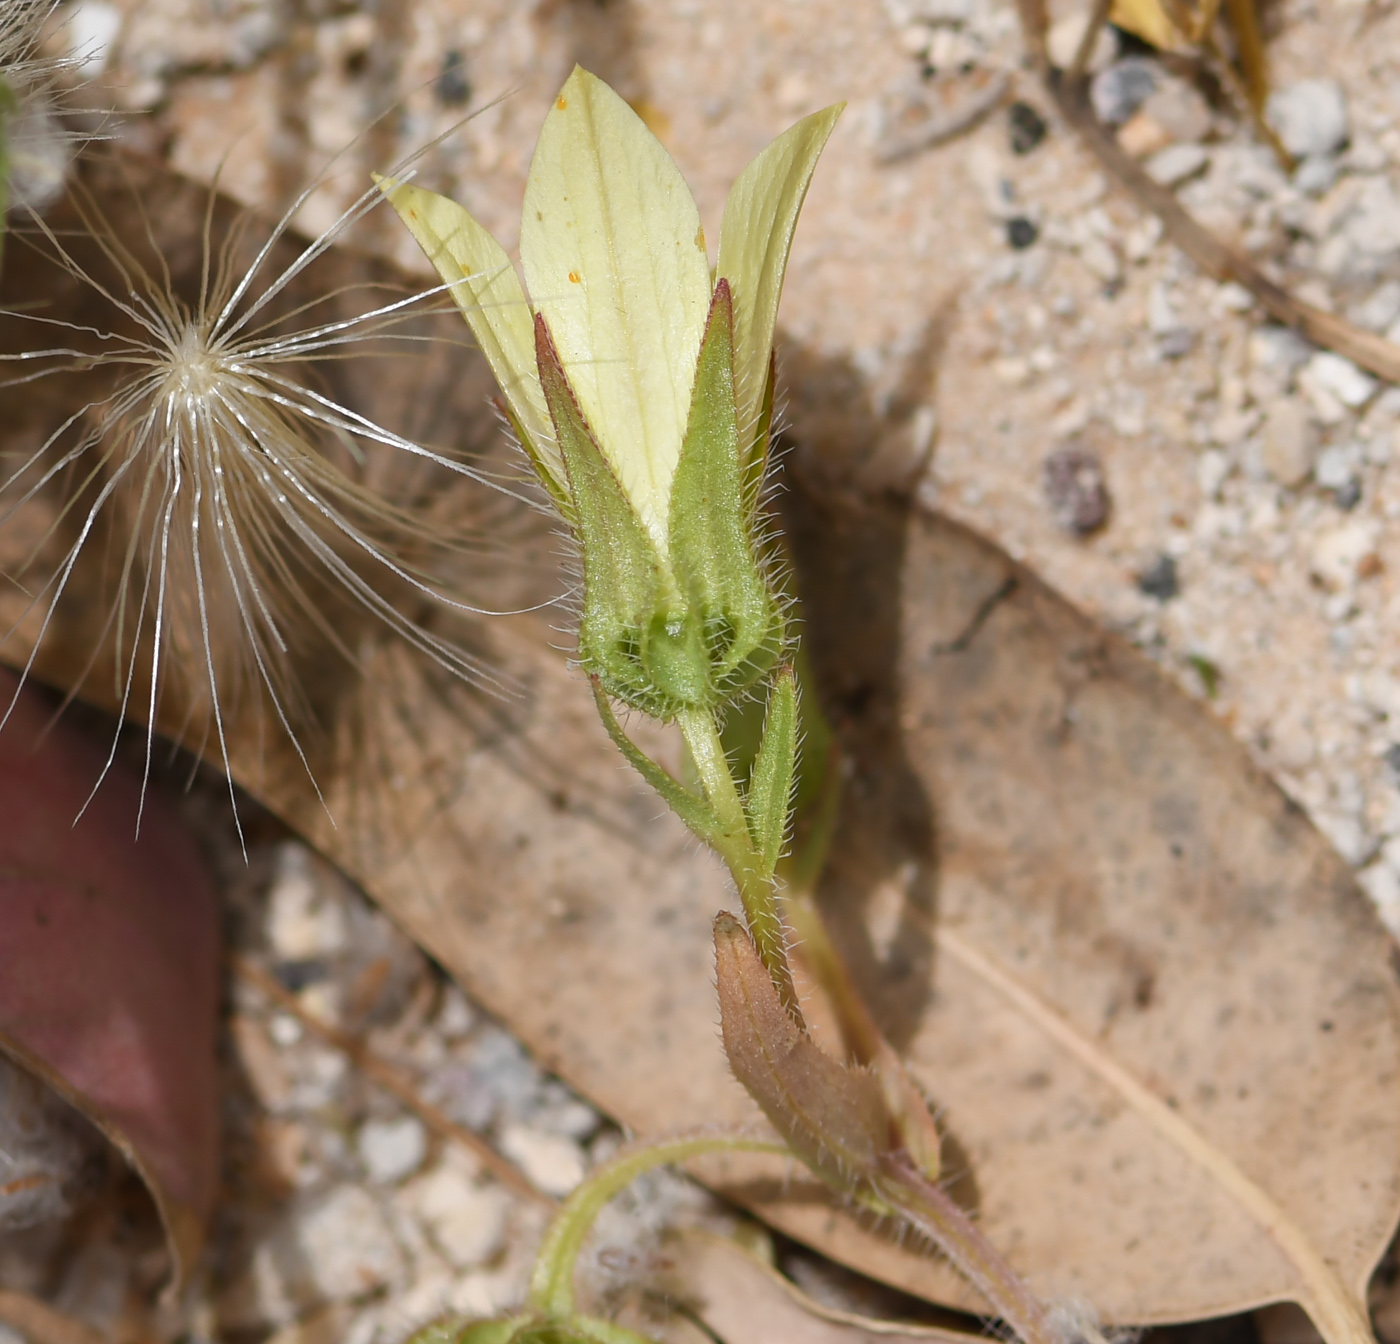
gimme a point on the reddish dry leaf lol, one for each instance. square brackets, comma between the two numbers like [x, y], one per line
[111, 954]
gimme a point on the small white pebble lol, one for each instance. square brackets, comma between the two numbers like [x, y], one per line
[284, 1030]
[1211, 472]
[392, 1149]
[1339, 376]
[455, 1017]
[1336, 466]
[552, 1162]
[339, 1247]
[1310, 117]
[466, 1221]
[302, 922]
[1382, 885]
[1102, 260]
[1289, 445]
[1338, 553]
[1177, 163]
[1347, 834]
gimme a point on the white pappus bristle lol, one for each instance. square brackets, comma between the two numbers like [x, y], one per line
[233, 499]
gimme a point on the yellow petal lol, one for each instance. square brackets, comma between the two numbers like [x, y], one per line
[615, 261]
[759, 218]
[487, 290]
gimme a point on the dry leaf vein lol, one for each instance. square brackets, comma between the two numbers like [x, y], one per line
[1334, 1308]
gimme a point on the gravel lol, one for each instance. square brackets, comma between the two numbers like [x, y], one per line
[1027, 127]
[1159, 580]
[1119, 90]
[1310, 117]
[392, 1149]
[1076, 490]
[1288, 448]
[339, 1199]
[553, 1162]
[1177, 163]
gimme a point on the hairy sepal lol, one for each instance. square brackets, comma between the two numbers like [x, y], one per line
[712, 544]
[635, 636]
[768, 804]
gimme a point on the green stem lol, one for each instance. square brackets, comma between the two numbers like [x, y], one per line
[757, 889]
[552, 1284]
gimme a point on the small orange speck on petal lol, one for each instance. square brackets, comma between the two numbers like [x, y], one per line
[561, 102]
[573, 277]
[700, 237]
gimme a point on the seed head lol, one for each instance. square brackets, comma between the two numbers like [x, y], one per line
[234, 513]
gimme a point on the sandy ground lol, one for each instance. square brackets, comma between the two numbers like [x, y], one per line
[1219, 491]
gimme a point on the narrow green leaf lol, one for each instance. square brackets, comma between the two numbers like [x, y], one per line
[712, 551]
[690, 807]
[769, 800]
[755, 238]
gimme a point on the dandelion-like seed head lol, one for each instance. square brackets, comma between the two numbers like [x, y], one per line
[235, 510]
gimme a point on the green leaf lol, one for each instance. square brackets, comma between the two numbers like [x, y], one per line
[711, 550]
[551, 1292]
[755, 238]
[769, 801]
[485, 287]
[614, 257]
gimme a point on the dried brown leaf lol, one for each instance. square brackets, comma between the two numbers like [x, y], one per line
[1157, 1015]
[745, 1301]
[833, 1116]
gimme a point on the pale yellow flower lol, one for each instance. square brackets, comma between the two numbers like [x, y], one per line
[614, 259]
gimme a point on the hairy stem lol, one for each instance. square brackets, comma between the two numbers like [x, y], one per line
[757, 889]
[552, 1283]
[933, 1212]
